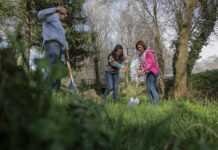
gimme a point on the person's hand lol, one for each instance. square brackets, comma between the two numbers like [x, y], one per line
[137, 69]
[61, 12]
[124, 68]
[61, 9]
[141, 73]
[126, 61]
[66, 47]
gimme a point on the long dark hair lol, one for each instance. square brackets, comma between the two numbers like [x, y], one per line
[113, 53]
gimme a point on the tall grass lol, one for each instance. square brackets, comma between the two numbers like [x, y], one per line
[183, 125]
[33, 117]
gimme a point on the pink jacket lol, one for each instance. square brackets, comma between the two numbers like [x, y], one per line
[150, 63]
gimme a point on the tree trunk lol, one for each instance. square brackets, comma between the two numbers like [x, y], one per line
[97, 77]
[127, 73]
[127, 76]
[23, 57]
[161, 66]
[27, 29]
[181, 64]
[159, 54]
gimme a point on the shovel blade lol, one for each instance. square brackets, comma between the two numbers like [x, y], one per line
[73, 87]
[133, 101]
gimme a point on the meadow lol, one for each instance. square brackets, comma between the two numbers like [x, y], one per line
[183, 124]
[34, 117]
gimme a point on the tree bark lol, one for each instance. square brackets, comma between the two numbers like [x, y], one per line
[159, 53]
[181, 64]
[127, 76]
[97, 77]
[27, 29]
[127, 73]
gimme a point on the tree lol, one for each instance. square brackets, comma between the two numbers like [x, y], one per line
[95, 23]
[204, 26]
[151, 8]
[126, 26]
[181, 64]
[203, 14]
[24, 12]
[122, 25]
[98, 28]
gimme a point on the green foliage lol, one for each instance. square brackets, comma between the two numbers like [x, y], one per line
[32, 117]
[156, 127]
[83, 85]
[1, 39]
[207, 83]
[7, 9]
[25, 12]
[23, 98]
[175, 56]
[204, 27]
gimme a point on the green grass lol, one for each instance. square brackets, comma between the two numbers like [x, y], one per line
[149, 126]
[184, 124]
[34, 117]
[207, 83]
[204, 85]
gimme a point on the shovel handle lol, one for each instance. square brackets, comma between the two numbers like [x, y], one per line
[68, 56]
[137, 83]
[68, 65]
[70, 71]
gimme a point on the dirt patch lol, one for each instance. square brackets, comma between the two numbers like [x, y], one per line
[91, 94]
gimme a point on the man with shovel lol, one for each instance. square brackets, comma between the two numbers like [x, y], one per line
[54, 40]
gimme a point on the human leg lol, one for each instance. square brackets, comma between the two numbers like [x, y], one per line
[109, 80]
[52, 52]
[153, 88]
[115, 85]
[148, 88]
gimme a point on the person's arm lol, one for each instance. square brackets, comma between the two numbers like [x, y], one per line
[124, 68]
[66, 46]
[150, 61]
[43, 14]
[125, 61]
[137, 69]
[114, 63]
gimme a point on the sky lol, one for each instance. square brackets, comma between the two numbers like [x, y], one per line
[211, 49]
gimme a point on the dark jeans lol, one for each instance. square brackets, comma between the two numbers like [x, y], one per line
[112, 84]
[151, 81]
[53, 53]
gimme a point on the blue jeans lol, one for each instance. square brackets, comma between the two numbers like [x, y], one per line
[151, 81]
[112, 84]
[53, 52]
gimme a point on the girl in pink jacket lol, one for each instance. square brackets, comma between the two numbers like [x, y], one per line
[149, 68]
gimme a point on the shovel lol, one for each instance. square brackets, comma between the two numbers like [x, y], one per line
[71, 76]
[133, 100]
